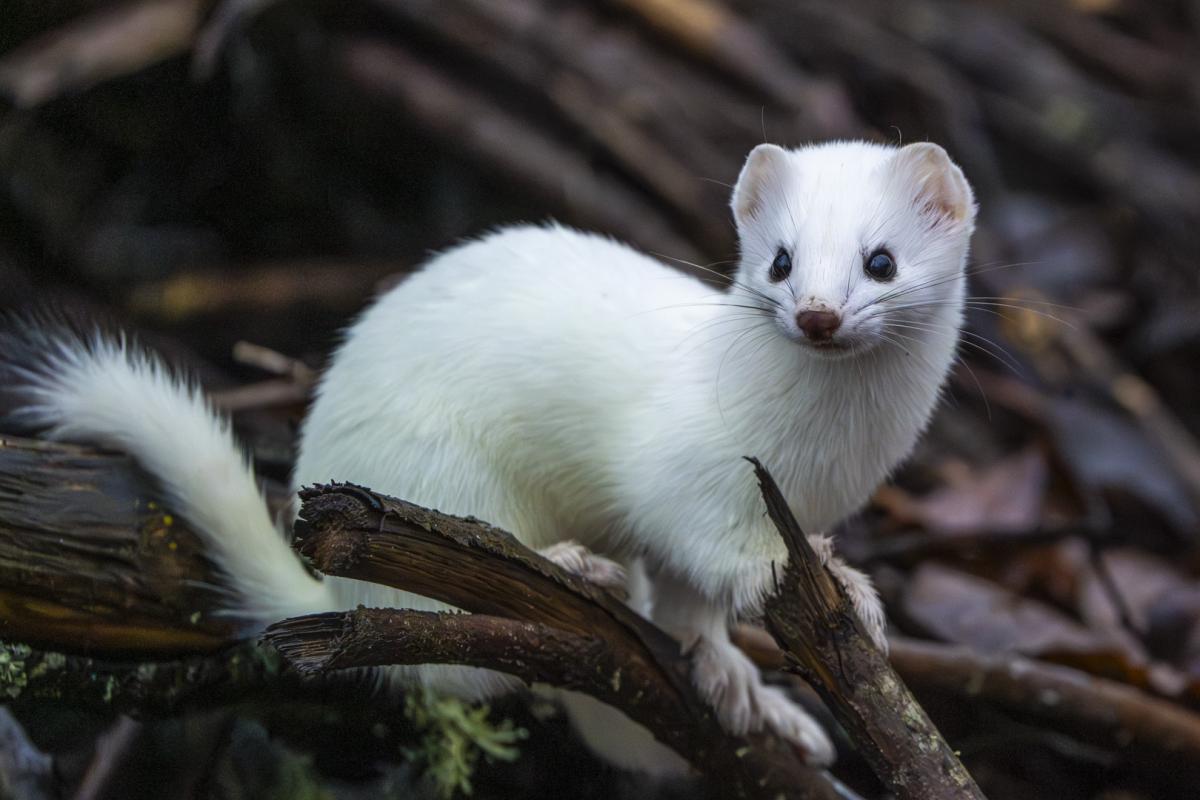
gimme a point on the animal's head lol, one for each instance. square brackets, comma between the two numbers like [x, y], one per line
[849, 245]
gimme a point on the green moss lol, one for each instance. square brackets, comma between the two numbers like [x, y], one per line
[12, 669]
[454, 735]
[49, 663]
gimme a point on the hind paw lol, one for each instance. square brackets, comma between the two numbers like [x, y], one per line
[730, 682]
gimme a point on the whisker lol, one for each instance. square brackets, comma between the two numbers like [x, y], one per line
[720, 367]
[942, 278]
[730, 280]
[987, 406]
[1029, 300]
[982, 344]
[755, 325]
[990, 308]
[888, 336]
[977, 305]
[758, 309]
[740, 320]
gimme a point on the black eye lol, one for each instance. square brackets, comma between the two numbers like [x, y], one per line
[781, 267]
[880, 266]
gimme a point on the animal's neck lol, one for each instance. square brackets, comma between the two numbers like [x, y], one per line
[825, 427]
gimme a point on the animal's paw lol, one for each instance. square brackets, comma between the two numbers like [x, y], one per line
[578, 560]
[732, 686]
[858, 588]
[793, 723]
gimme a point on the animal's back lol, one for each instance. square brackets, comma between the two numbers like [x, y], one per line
[491, 382]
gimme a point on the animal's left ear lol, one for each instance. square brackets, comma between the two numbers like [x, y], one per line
[925, 172]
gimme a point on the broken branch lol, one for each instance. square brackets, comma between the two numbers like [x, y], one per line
[813, 619]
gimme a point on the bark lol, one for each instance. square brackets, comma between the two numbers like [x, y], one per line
[351, 532]
[90, 560]
[812, 618]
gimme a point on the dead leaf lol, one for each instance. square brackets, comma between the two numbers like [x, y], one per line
[1107, 452]
[954, 606]
[1003, 496]
[957, 607]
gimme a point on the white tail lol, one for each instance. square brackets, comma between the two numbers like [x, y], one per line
[102, 390]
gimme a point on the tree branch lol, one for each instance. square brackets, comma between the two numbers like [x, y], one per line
[812, 618]
[536, 653]
[593, 642]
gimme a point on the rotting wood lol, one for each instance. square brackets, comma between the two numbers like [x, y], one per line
[89, 560]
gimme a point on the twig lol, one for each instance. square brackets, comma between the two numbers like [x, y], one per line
[112, 748]
[1162, 736]
[263, 394]
[372, 637]
[813, 619]
[274, 362]
[110, 43]
[457, 112]
[258, 289]
[915, 545]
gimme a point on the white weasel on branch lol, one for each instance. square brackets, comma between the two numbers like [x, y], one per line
[564, 386]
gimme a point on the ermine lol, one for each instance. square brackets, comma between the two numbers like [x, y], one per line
[570, 389]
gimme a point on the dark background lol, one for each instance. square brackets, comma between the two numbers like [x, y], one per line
[214, 173]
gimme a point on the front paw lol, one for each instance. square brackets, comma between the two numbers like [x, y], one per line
[859, 590]
[578, 560]
[733, 687]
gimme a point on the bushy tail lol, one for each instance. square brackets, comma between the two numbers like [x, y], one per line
[100, 389]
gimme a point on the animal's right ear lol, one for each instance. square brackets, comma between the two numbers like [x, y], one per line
[761, 178]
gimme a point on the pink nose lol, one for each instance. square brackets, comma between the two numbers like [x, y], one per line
[818, 326]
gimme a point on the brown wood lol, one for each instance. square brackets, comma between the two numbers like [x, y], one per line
[536, 653]
[91, 562]
[812, 618]
[353, 532]
[1162, 736]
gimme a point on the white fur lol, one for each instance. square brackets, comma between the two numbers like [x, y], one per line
[117, 396]
[564, 386]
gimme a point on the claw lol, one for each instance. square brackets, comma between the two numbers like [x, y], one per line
[578, 560]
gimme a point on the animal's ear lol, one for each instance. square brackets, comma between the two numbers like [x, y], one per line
[761, 177]
[935, 183]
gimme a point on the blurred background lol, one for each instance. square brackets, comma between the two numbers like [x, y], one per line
[237, 179]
